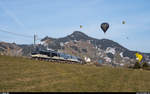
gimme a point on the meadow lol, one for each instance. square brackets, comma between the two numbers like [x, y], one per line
[19, 74]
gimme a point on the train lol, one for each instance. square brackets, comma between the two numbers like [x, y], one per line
[54, 56]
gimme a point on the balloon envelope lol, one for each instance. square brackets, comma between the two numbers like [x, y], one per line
[123, 22]
[104, 27]
[81, 26]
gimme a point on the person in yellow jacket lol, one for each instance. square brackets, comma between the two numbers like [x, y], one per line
[139, 57]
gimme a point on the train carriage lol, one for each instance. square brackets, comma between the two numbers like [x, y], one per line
[49, 55]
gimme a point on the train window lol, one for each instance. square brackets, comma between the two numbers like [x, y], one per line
[54, 54]
[79, 59]
[44, 53]
[62, 55]
[68, 56]
[41, 52]
[58, 54]
[74, 57]
[47, 53]
[33, 53]
[65, 56]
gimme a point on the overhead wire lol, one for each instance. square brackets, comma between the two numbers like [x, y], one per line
[17, 34]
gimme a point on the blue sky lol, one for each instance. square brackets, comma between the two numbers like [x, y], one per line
[58, 18]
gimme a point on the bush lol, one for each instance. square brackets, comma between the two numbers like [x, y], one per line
[137, 65]
[146, 66]
[142, 65]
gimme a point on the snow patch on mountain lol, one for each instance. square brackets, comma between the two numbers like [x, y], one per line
[110, 50]
[72, 35]
[121, 54]
[107, 59]
[66, 43]
[61, 44]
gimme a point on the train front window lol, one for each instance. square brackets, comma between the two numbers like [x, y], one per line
[54, 54]
[33, 53]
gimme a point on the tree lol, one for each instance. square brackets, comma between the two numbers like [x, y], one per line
[145, 65]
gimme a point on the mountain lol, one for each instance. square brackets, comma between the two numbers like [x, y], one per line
[10, 49]
[14, 49]
[82, 45]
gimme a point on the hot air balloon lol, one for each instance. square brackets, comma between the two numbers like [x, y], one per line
[123, 22]
[104, 27]
[139, 57]
[81, 26]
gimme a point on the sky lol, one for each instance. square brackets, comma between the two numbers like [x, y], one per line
[59, 18]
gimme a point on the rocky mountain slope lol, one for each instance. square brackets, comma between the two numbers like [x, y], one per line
[79, 44]
[10, 49]
[84, 46]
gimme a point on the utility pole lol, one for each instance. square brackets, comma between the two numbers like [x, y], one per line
[34, 41]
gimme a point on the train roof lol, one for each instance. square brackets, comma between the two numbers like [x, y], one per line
[50, 51]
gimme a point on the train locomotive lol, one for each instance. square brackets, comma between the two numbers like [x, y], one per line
[49, 55]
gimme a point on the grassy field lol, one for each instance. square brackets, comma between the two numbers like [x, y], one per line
[20, 74]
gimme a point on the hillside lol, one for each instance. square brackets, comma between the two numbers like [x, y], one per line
[82, 45]
[10, 49]
[20, 74]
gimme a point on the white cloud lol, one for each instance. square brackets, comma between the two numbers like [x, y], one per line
[12, 15]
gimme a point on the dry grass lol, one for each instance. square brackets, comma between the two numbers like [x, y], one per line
[20, 74]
